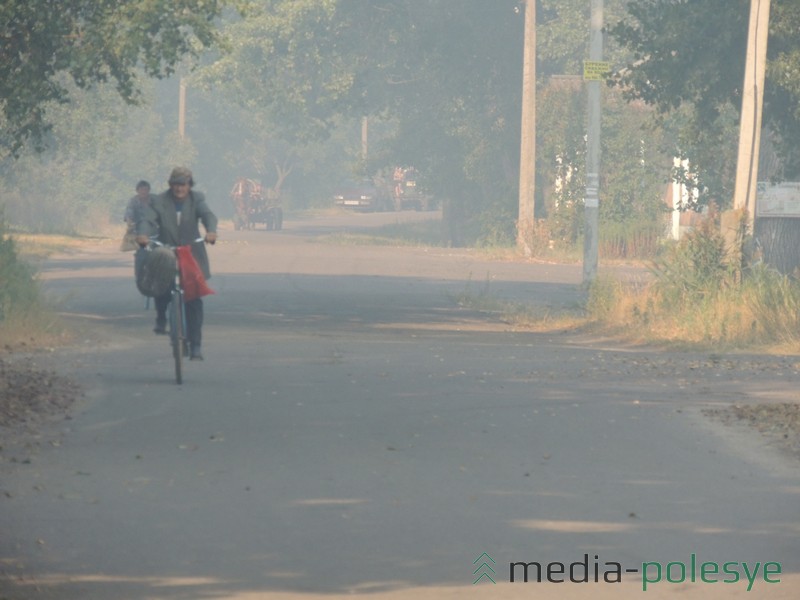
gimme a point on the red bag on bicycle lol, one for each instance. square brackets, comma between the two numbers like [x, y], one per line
[194, 284]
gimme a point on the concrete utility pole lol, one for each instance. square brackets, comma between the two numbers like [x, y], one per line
[527, 155]
[592, 199]
[752, 101]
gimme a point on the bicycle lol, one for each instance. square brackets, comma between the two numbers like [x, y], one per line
[177, 314]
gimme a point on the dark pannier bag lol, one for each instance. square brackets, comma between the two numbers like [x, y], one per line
[155, 271]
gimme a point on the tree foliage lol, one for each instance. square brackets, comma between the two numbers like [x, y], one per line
[47, 44]
[633, 175]
[562, 35]
[688, 62]
[439, 80]
[98, 148]
[445, 75]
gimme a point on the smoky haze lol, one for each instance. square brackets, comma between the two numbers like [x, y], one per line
[394, 402]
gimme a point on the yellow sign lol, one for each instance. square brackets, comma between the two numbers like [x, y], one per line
[595, 70]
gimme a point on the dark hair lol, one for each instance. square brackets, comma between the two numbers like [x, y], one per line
[142, 184]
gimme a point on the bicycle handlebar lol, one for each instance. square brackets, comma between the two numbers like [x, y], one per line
[155, 242]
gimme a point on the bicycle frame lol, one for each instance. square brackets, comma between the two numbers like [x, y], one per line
[177, 316]
[177, 326]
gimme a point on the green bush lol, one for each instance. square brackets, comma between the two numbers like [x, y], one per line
[697, 268]
[496, 228]
[19, 291]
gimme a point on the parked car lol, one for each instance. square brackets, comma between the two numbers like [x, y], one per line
[361, 195]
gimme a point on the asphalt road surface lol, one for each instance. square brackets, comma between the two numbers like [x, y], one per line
[354, 431]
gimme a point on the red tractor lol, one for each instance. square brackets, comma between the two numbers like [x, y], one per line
[406, 193]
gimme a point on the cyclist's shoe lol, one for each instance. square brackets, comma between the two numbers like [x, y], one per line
[196, 353]
[160, 329]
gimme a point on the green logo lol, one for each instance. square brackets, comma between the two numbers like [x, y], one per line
[484, 568]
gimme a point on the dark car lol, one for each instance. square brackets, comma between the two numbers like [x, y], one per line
[362, 195]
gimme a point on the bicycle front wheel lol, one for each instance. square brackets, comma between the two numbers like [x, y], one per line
[177, 334]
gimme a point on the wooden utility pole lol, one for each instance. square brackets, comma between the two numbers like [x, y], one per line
[364, 130]
[182, 110]
[527, 157]
[752, 101]
[592, 198]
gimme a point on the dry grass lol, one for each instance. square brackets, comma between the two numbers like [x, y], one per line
[36, 247]
[420, 234]
[517, 315]
[759, 312]
[27, 321]
[38, 328]
[700, 296]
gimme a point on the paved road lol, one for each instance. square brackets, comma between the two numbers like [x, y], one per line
[354, 431]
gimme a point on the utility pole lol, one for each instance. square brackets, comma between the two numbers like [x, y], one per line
[364, 130]
[592, 198]
[527, 155]
[752, 101]
[182, 110]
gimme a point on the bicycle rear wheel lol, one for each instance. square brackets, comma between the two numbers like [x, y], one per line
[177, 335]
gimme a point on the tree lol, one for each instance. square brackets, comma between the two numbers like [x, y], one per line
[632, 178]
[562, 35]
[291, 63]
[47, 44]
[441, 78]
[783, 83]
[688, 62]
[446, 74]
[98, 148]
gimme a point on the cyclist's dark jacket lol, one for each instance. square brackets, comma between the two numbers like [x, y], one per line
[160, 219]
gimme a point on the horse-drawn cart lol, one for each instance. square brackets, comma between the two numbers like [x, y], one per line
[253, 204]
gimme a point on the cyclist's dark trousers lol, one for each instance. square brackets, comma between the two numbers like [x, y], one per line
[194, 317]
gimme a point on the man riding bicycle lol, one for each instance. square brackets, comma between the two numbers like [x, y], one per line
[172, 219]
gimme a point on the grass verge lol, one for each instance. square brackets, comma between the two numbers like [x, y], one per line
[27, 321]
[518, 315]
[700, 297]
[759, 312]
[422, 233]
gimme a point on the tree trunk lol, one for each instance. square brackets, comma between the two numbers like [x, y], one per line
[779, 241]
